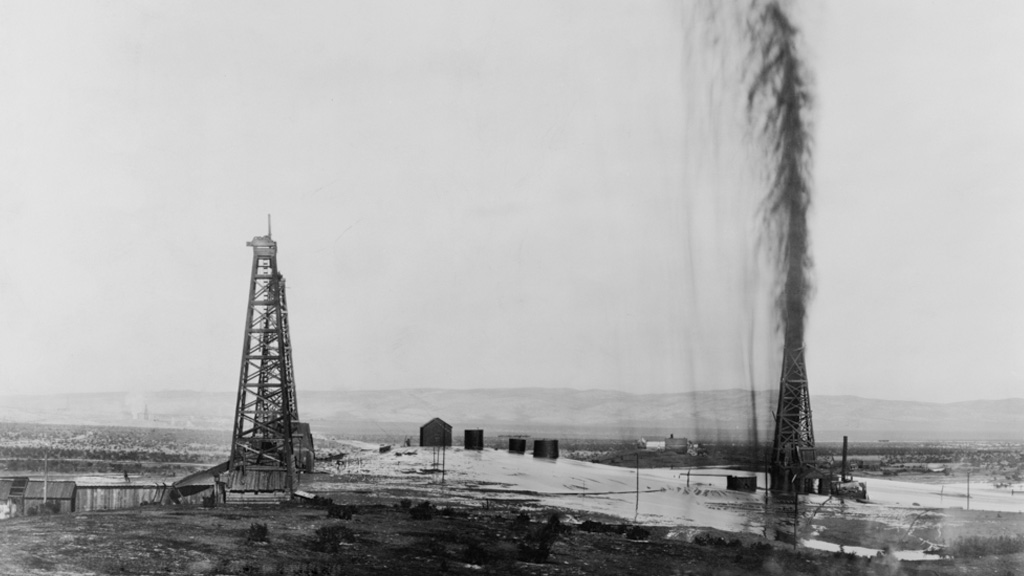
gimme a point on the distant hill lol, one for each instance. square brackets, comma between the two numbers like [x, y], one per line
[719, 414]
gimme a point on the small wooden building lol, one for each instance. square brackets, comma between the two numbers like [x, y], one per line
[59, 495]
[677, 444]
[198, 487]
[21, 496]
[118, 496]
[437, 432]
[257, 484]
[302, 445]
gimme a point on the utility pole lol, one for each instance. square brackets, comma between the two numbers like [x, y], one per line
[796, 513]
[637, 510]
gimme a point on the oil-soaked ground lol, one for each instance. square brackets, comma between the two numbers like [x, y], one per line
[381, 534]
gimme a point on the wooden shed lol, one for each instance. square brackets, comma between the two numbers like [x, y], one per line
[437, 432]
[257, 484]
[302, 444]
[198, 487]
[21, 496]
[59, 495]
[677, 444]
[118, 496]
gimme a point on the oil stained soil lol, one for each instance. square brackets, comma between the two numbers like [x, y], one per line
[369, 535]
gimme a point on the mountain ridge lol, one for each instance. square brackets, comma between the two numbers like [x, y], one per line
[722, 414]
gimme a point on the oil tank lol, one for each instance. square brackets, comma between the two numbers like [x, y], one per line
[545, 449]
[474, 440]
[744, 483]
[517, 445]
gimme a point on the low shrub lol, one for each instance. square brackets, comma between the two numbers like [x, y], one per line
[716, 541]
[637, 533]
[329, 538]
[476, 555]
[257, 533]
[521, 523]
[537, 546]
[453, 513]
[343, 512]
[422, 511]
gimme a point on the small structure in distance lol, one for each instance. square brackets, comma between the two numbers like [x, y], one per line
[437, 432]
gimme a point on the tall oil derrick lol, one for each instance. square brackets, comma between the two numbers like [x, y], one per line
[793, 457]
[778, 105]
[262, 463]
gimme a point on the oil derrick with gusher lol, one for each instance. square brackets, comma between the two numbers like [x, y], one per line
[269, 446]
[793, 461]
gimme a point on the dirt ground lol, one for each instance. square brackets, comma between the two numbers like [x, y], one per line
[392, 532]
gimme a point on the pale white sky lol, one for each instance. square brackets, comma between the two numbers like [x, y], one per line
[475, 194]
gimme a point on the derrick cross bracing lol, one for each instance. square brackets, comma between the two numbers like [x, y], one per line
[266, 414]
[793, 458]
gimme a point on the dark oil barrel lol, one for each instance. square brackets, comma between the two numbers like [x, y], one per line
[545, 449]
[474, 440]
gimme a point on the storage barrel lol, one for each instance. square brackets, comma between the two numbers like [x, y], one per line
[744, 483]
[545, 449]
[474, 440]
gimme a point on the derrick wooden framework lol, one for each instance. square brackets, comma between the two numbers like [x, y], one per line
[266, 414]
[793, 457]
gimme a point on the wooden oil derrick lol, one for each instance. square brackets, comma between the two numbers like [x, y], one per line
[262, 464]
[793, 458]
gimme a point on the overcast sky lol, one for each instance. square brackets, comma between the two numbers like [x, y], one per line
[478, 194]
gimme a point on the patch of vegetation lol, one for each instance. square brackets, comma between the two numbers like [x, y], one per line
[716, 541]
[476, 554]
[422, 511]
[537, 547]
[630, 532]
[637, 533]
[329, 538]
[257, 533]
[453, 513]
[68, 449]
[521, 523]
[342, 512]
[978, 546]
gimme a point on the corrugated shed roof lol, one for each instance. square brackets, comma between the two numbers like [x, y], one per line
[57, 490]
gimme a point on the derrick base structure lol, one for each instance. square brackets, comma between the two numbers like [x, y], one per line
[269, 444]
[793, 462]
